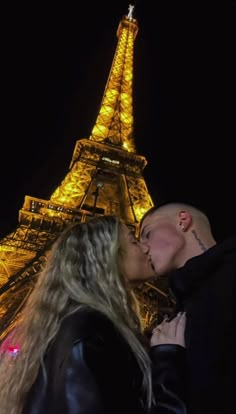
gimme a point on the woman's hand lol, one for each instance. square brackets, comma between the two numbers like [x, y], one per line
[170, 332]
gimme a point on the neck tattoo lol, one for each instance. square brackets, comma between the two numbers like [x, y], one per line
[201, 244]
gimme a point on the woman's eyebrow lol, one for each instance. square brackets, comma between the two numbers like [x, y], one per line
[132, 236]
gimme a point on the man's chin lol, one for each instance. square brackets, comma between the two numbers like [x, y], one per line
[153, 268]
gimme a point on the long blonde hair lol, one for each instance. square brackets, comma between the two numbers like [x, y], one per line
[82, 271]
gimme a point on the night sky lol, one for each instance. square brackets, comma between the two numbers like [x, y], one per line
[55, 62]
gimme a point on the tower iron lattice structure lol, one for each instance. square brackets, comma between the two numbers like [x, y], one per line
[105, 177]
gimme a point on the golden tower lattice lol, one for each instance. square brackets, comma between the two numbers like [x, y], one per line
[104, 177]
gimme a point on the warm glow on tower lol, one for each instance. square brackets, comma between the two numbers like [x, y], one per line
[105, 177]
[114, 123]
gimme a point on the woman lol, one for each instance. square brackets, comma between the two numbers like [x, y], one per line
[80, 339]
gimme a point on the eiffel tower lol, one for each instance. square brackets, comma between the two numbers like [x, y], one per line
[104, 177]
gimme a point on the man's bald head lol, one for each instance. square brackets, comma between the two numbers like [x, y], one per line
[172, 209]
[173, 233]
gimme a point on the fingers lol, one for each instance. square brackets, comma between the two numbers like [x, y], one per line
[179, 321]
[180, 327]
[171, 326]
[165, 319]
[174, 327]
[159, 327]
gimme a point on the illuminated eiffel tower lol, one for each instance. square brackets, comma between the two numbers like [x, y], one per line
[104, 177]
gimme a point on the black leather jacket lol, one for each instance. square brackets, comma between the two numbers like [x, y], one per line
[89, 369]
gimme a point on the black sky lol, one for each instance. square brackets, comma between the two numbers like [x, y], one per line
[55, 64]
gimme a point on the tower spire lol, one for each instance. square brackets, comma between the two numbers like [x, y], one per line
[114, 122]
[130, 13]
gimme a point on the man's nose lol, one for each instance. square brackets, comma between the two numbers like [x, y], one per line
[144, 247]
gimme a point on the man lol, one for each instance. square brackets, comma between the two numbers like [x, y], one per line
[202, 277]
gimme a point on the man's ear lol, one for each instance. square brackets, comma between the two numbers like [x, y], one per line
[184, 220]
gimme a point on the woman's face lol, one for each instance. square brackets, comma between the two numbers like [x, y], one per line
[134, 261]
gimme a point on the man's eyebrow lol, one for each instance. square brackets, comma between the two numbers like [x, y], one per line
[143, 230]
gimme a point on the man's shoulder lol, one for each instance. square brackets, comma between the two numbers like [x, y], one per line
[223, 252]
[228, 244]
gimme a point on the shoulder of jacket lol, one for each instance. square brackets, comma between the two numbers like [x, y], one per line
[85, 323]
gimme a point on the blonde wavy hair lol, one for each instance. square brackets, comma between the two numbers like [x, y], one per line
[82, 271]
